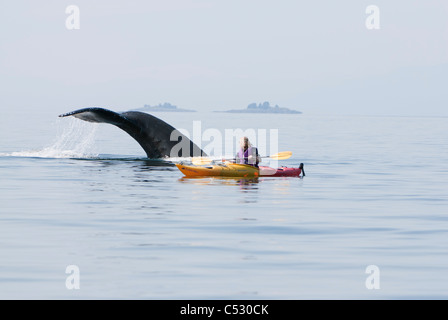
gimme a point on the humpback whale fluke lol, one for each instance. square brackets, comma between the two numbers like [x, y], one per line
[153, 134]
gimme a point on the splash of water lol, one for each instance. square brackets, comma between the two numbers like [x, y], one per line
[75, 141]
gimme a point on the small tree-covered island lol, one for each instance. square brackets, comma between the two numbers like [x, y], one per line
[264, 107]
[168, 107]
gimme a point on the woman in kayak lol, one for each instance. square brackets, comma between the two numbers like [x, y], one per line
[247, 153]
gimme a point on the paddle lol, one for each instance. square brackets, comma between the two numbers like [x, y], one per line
[278, 156]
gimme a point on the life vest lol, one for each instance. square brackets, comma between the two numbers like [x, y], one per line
[243, 156]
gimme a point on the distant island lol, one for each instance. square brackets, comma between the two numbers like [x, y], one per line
[164, 107]
[264, 107]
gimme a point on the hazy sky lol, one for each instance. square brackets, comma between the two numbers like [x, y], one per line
[217, 55]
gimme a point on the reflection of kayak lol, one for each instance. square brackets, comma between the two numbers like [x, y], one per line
[237, 170]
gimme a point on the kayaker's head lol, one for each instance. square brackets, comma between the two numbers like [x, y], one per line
[245, 143]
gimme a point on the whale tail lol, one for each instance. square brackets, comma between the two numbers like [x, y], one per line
[155, 136]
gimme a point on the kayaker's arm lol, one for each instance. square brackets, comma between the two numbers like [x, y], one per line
[255, 155]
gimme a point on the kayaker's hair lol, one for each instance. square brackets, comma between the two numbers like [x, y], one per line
[244, 141]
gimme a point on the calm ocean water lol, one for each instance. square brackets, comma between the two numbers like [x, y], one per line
[76, 193]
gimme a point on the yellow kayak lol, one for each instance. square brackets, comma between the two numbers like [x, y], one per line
[219, 170]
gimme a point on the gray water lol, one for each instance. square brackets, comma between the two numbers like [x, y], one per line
[76, 193]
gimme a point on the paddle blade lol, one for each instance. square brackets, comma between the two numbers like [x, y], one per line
[281, 155]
